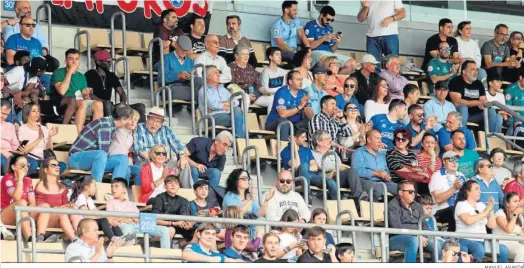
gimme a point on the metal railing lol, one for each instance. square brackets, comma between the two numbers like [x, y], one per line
[305, 186]
[292, 148]
[112, 33]
[49, 25]
[151, 67]
[246, 164]
[435, 240]
[512, 110]
[362, 229]
[127, 75]
[88, 44]
[195, 98]
[324, 178]
[213, 129]
[372, 213]
[169, 99]
[245, 107]
[339, 222]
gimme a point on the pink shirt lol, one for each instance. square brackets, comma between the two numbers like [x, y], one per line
[121, 206]
[26, 133]
[8, 139]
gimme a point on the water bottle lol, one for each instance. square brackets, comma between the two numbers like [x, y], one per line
[251, 90]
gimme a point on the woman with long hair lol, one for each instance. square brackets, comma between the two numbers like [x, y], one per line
[428, 156]
[472, 216]
[510, 221]
[152, 174]
[378, 103]
[291, 243]
[358, 130]
[334, 84]
[516, 47]
[348, 96]
[240, 192]
[302, 61]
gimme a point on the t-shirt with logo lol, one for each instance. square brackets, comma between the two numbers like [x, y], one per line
[515, 97]
[437, 67]
[315, 31]
[288, 32]
[498, 53]
[386, 127]
[198, 44]
[466, 163]
[284, 99]
[273, 80]
[17, 43]
[468, 92]
[8, 185]
[442, 181]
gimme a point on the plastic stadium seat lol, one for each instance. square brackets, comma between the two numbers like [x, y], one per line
[46, 257]
[261, 146]
[168, 255]
[188, 194]
[260, 52]
[67, 133]
[99, 39]
[133, 42]
[347, 204]
[378, 211]
[254, 126]
[136, 249]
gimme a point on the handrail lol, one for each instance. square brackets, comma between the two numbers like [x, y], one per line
[193, 97]
[19, 235]
[127, 75]
[246, 157]
[292, 136]
[170, 99]
[88, 39]
[49, 25]
[339, 222]
[112, 33]
[435, 242]
[151, 67]
[245, 107]
[324, 182]
[213, 131]
[372, 213]
[305, 186]
[509, 109]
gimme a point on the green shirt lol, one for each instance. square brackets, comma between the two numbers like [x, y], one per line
[466, 163]
[78, 81]
[515, 97]
[437, 67]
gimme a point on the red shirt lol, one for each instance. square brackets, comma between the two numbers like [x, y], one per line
[54, 200]
[424, 162]
[515, 186]
[8, 185]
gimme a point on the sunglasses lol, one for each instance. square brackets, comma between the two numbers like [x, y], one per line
[285, 181]
[161, 153]
[349, 86]
[409, 191]
[53, 165]
[352, 109]
[488, 165]
[33, 25]
[330, 20]
[454, 254]
[244, 178]
[399, 139]
[445, 49]
[452, 160]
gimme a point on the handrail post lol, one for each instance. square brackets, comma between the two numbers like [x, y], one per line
[383, 249]
[245, 163]
[113, 17]
[420, 247]
[494, 250]
[77, 45]
[150, 47]
[19, 244]
[353, 233]
[127, 75]
[170, 99]
[279, 146]
[146, 247]
[49, 25]
[210, 118]
[486, 128]
[245, 106]
[305, 185]
[324, 182]
[193, 97]
[372, 213]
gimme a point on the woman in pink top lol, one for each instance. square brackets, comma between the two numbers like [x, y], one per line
[39, 137]
[334, 84]
[8, 139]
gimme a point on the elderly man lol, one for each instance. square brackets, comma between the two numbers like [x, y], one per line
[285, 30]
[404, 213]
[331, 120]
[366, 76]
[282, 198]
[233, 38]
[207, 157]
[168, 32]
[23, 41]
[211, 57]
[440, 69]
[439, 106]
[370, 163]
[467, 157]
[12, 26]
[452, 123]
[386, 124]
[489, 186]
[396, 82]
[89, 247]
[153, 132]
[244, 75]
[496, 53]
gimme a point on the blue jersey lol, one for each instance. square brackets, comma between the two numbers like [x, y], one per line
[283, 99]
[386, 128]
[315, 31]
[415, 133]
[17, 43]
[195, 247]
[444, 138]
[288, 32]
[305, 154]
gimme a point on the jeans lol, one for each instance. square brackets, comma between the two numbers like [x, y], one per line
[4, 164]
[98, 163]
[224, 119]
[409, 245]
[348, 179]
[284, 130]
[134, 172]
[35, 163]
[211, 174]
[160, 231]
[477, 250]
[495, 121]
[382, 45]
[378, 191]
[287, 55]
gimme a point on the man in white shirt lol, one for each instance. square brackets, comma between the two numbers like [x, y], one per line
[282, 198]
[382, 34]
[211, 57]
[88, 247]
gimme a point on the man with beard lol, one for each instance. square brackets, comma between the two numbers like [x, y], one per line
[271, 243]
[167, 30]
[417, 127]
[467, 157]
[286, 29]
[103, 81]
[233, 38]
[440, 69]
[282, 198]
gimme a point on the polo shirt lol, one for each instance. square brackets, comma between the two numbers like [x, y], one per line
[78, 82]
[438, 68]
[314, 98]
[467, 163]
[81, 249]
[440, 110]
[288, 32]
[17, 43]
[284, 99]
[314, 31]
[386, 127]
[365, 162]
[200, 148]
[195, 247]
[231, 253]
[102, 87]
[515, 97]
[414, 133]
[515, 186]
[444, 138]
[174, 205]
[309, 257]
[490, 190]
[305, 154]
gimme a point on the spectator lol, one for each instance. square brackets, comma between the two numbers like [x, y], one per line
[379, 100]
[302, 61]
[239, 238]
[366, 78]
[516, 50]
[496, 54]
[510, 221]
[271, 246]
[468, 48]
[515, 96]
[428, 157]
[439, 106]
[122, 144]
[334, 84]
[348, 96]
[445, 34]
[34, 86]
[71, 91]
[316, 248]
[473, 216]
[396, 82]
[235, 212]
[319, 216]
[50, 193]
[17, 190]
[331, 120]
[316, 91]
[22, 82]
[345, 252]
[501, 173]
[517, 185]
[417, 127]
[153, 174]
[90, 149]
[272, 78]
[454, 123]
[358, 129]
[168, 31]
[9, 140]
[451, 252]
[439, 68]
[153, 132]
[207, 157]
[404, 213]
[324, 42]
[23, 41]
[233, 38]
[219, 105]
[204, 249]
[382, 33]
[495, 94]
[370, 163]
[489, 187]
[244, 75]
[12, 26]
[467, 157]
[290, 103]
[210, 57]
[386, 124]
[282, 198]
[302, 155]
[197, 29]
[201, 206]
[89, 247]
[291, 243]
[240, 192]
[411, 96]
[426, 201]
[285, 30]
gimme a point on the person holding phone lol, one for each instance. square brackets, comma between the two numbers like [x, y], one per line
[291, 243]
[8, 139]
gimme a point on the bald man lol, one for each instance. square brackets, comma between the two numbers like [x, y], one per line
[12, 26]
[211, 57]
[282, 198]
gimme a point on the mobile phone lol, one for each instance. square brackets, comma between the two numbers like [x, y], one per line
[24, 142]
[339, 33]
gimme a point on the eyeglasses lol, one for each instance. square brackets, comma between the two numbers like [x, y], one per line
[53, 165]
[33, 25]
[334, 63]
[419, 115]
[503, 34]
[285, 181]
[445, 48]
[351, 109]
[349, 86]
[487, 165]
[161, 153]
[225, 144]
[517, 38]
[452, 160]
[244, 178]
[400, 139]
[409, 191]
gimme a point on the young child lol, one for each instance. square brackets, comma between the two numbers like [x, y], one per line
[83, 190]
[235, 212]
[427, 206]
[345, 252]
[202, 208]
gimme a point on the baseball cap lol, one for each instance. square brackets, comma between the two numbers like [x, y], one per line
[450, 154]
[38, 64]
[185, 43]
[102, 55]
[368, 58]
[319, 69]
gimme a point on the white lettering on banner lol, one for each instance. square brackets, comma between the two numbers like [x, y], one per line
[471, 93]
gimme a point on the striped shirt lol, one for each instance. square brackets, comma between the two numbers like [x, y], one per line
[425, 162]
[227, 48]
[397, 160]
[335, 129]
[492, 190]
[96, 135]
[145, 140]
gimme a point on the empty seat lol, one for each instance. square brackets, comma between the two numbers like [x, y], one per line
[136, 249]
[188, 194]
[348, 204]
[133, 42]
[254, 126]
[99, 39]
[261, 146]
[67, 133]
[260, 52]
[378, 211]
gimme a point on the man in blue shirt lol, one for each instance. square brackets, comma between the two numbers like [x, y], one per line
[439, 106]
[386, 124]
[324, 42]
[453, 123]
[489, 187]
[315, 91]
[290, 103]
[12, 26]
[23, 41]
[178, 68]
[239, 240]
[203, 249]
[284, 31]
[417, 127]
[467, 158]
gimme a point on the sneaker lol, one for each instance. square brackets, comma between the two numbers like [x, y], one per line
[6, 234]
[53, 238]
[310, 201]
[40, 238]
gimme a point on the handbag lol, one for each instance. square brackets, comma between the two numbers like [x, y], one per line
[411, 175]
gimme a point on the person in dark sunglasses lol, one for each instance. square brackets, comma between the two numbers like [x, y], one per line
[23, 41]
[153, 174]
[489, 186]
[282, 197]
[350, 88]
[451, 252]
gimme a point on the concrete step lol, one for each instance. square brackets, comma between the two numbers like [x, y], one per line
[181, 130]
